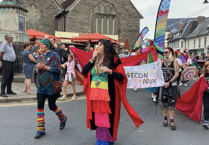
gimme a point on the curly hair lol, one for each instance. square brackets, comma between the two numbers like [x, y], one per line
[204, 70]
[110, 54]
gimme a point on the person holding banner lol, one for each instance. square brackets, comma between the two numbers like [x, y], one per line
[205, 73]
[105, 84]
[170, 93]
[137, 51]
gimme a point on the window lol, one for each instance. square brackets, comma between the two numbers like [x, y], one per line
[194, 43]
[105, 19]
[205, 42]
[199, 43]
[188, 45]
[182, 44]
[32, 18]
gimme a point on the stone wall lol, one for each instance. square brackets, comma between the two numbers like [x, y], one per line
[18, 47]
[48, 9]
[79, 18]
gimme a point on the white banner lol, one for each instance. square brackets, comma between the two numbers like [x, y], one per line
[145, 76]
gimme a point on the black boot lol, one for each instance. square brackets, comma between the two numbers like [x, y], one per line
[39, 134]
[62, 124]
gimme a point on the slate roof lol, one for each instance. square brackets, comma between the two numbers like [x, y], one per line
[67, 3]
[186, 30]
[201, 29]
[171, 21]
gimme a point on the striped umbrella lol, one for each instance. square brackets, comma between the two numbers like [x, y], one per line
[188, 73]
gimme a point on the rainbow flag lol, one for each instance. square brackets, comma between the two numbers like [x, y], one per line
[141, 37]
[161, 23]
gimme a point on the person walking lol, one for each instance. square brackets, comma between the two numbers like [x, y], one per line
[105, 86]
[170, 68]
[8, 57]
[28, 66]
[47, 70]
[69, 77]
[35, 48]
[137, 51]
[205, 73]
[180, 68]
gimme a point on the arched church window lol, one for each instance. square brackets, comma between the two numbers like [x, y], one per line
[32, 18]
[105, 19]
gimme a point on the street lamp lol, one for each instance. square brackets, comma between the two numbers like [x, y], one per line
[205, 2]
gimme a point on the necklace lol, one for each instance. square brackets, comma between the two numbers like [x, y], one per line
[98, 72]
[97, 67]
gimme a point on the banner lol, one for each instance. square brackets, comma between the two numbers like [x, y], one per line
[145, 76]
[141, 37]
[161, 23]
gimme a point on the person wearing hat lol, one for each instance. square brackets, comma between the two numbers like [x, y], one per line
[8, 57]
[48, 69]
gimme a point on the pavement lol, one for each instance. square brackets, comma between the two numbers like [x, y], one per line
[18, 86]
[19, 120]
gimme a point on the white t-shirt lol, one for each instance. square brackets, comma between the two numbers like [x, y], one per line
[180, 63]
[189, 61]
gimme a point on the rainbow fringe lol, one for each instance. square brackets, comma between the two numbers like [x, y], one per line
[60, 115]
[40, 121]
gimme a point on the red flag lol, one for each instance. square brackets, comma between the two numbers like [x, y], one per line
[190, 103]
[126, 44]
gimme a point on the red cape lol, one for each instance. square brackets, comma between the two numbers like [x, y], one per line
[120, 95]
[190, 103]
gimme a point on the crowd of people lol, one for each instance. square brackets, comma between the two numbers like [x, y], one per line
[48, 62]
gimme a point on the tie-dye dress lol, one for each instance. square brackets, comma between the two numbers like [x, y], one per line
[100, 105]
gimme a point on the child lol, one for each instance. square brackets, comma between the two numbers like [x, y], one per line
[205, 73]
[69, 77]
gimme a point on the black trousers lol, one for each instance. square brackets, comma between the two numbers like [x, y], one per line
[51, 101]
[206, 105]
[8, 75]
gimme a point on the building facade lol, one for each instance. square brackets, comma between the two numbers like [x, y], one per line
[110, 17]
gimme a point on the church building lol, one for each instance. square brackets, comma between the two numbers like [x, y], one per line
[109, 17]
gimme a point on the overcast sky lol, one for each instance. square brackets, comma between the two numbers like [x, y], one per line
[178, 9]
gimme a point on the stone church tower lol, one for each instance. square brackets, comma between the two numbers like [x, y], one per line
[111, 17]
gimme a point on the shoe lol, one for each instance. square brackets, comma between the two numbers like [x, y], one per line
[173, 127]
[3, 95]
[165, 124]
[24, 91]
[185, 85]
[74, 98]
[180, 84]
[111, 143]
[135, 90]
[62, 124]
[11, 93]
[64, 97]
[205, 124]
[154, 98]
[39, 134]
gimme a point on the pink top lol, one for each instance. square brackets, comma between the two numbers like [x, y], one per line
[70, 67]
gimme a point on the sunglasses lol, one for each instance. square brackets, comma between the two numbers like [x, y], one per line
[166, 52]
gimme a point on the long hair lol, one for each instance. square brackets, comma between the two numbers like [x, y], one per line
[204, 70]
[110, 54]
[171, 54]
